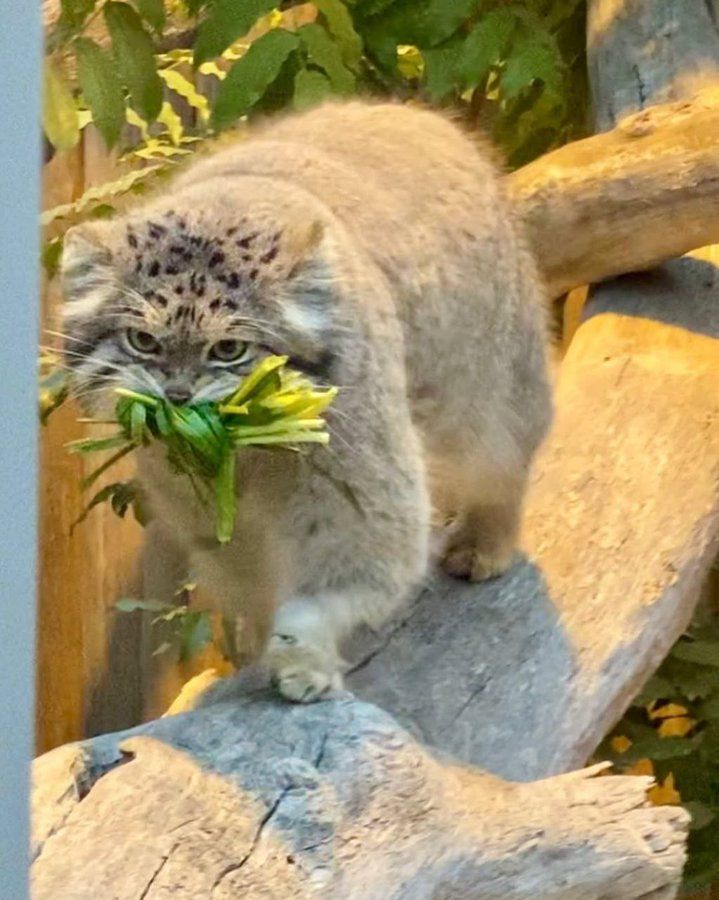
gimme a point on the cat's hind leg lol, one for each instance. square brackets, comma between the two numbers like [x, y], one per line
[479, 478]
[481, 541]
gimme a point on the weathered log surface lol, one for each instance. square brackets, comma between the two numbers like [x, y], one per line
[649, 51]
[252, 798]
[601, 207]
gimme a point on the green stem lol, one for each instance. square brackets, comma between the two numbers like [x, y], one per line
[284, 425]
[225, 498]
[141, 398]
[310, 437]
[116, 457]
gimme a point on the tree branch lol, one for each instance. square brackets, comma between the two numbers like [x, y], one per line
[625, 200]
[331, 800]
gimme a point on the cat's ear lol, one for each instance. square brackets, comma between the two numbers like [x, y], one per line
[303, 243]
[86, 271]
[307, 307]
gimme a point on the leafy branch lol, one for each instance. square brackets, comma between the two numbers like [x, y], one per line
[519, 64]
[190, 629]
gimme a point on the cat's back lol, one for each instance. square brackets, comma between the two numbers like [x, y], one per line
[375, 165]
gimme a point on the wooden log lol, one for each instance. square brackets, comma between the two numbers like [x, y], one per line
[247, 797]
[647, 52]
[600, 207]
[82, 572]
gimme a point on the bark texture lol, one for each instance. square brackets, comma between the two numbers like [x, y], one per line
[625, 200]
[250, 798]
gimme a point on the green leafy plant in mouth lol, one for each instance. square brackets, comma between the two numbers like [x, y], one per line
[272, 407]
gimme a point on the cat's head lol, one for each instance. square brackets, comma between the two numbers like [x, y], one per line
[182, 302]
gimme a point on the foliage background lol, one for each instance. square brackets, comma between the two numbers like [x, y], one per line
[136, 69]
[671, 731]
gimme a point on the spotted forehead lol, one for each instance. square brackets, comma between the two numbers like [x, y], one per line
[170, 257]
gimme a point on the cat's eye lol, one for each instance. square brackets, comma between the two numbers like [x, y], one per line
[142, 342]
[227, 351]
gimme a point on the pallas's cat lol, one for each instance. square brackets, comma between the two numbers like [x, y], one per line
[373, 245]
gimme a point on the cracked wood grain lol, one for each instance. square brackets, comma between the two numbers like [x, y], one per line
[335, 800]
[648, 52]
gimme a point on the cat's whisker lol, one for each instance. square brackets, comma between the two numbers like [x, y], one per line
[65, 337]
[90, 357]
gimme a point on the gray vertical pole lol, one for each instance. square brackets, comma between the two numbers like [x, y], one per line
[20, 63]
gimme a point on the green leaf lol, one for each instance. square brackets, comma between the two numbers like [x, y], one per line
[51, 256]
[323, 52]
[101, 88]
[102, 211]
[252, 75]
[135, 57]
[194, 7]
[59, 112]
[138, 423]
[121, 494]
[278, 95]
[96, 445]
[423, 23]
[658, 748]
[195, 633]
[440, 68]
[531, 60]
[705, 653]
[227, 21]
[340, 25]
[703, 863]
[128, 604]
[98, 194]
[710, 708]
[373, 7]
[153, 12]
[485, 45]
[74, 12]
[311, 88]
[657, 688]
[688, 679]
[123, 497]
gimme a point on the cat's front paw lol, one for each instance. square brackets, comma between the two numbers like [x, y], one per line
[302, 685]
[302, 672]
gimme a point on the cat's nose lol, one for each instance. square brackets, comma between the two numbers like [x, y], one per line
[178, 393]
